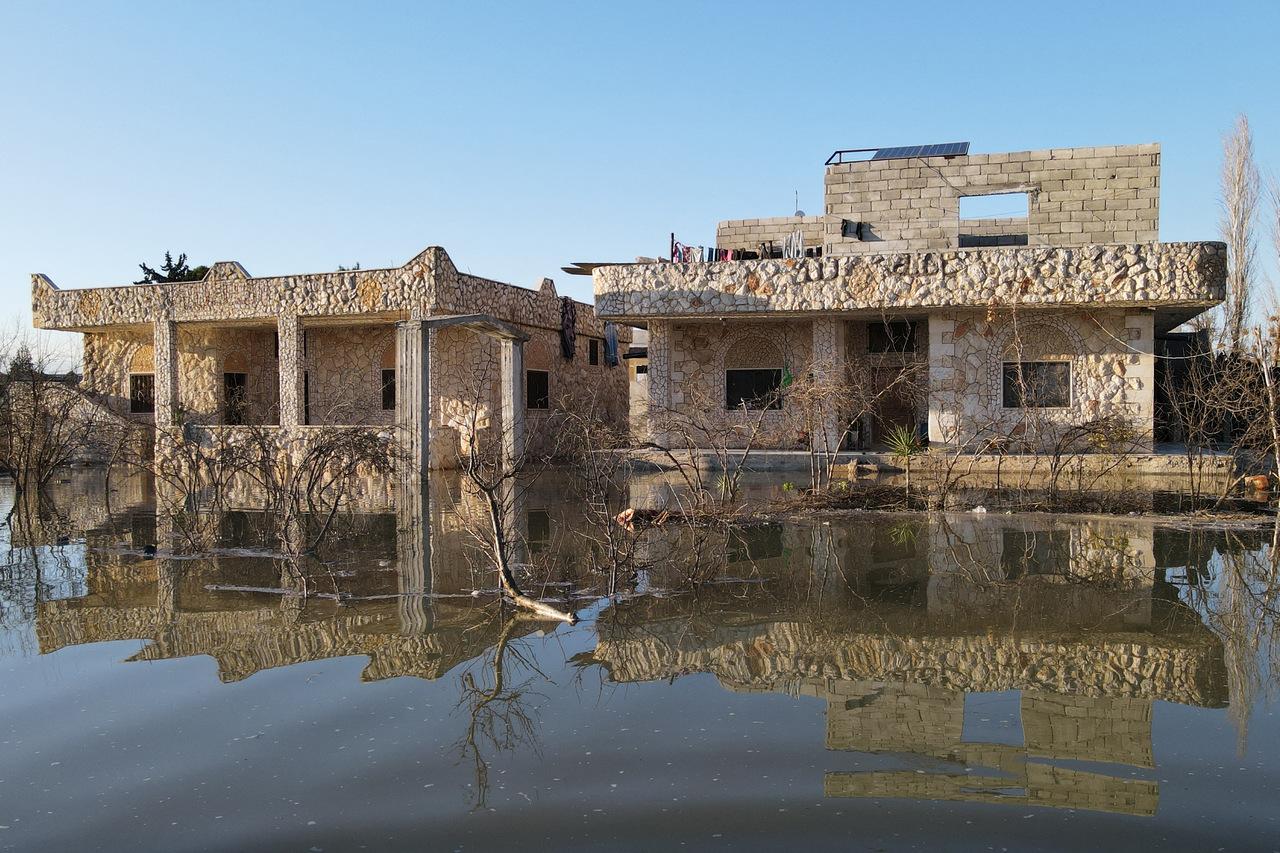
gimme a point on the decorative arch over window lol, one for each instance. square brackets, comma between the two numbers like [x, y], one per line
[753, 367]
[144, 360]
[1034, 365]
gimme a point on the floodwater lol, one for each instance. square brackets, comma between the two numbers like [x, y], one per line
[932, 681]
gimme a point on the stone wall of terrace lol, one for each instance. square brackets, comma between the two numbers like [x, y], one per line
[1146, 274]
[429, 284]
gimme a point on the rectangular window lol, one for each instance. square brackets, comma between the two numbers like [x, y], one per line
[306, 398]
[593, 351]
[539, 530]
[997, 219]
[891, 336]
[142, 393]
[537, 389]
[642, 369]
[234, 387]
[388, 389]
[757, 388]
[1037, 384]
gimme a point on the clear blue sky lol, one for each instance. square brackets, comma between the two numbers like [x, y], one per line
[295, 137]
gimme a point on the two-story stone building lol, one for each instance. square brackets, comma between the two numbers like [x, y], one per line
[422, 345]
[1054, 314]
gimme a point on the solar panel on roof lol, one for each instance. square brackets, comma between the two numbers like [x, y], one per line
[946, 149]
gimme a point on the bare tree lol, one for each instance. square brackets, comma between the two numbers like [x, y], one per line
[1240, 194]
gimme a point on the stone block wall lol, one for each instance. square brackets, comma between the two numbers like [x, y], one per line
[698, 354]
[1076, 196]
[1112, 360]
[748, 234]
[343, 366]
[1002, 231]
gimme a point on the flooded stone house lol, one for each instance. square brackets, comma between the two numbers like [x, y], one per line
[422, 345]
[1051, 313]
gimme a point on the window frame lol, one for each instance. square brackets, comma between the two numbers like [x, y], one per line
[593, 352]
[1019, 382]
[530, 401]
[751, 403]
[135, 399]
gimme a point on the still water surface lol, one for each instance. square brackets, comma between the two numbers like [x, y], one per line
[942, 681]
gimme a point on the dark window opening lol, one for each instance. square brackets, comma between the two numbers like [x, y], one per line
[234, 391]
[537, 389]
[306, 398]
[539, 530]
[1045, 552]
[275, 343]
[593, 351]
[142, 393]
[892, 336]
[1037, 384]
[762, 542]
[642, 369]
[757, 388]
[388, 389]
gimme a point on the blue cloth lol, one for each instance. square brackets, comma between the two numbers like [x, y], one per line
[611, 344]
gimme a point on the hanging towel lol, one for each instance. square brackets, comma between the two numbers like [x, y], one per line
[611, 344]
[568, 326]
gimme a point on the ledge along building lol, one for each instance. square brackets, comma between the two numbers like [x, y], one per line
[1016, 326]
[421, 346]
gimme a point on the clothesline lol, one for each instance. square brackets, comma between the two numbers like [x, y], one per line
[792, 247]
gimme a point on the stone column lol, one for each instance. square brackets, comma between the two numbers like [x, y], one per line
[413, 563]
[513, 404]
[943, 402]
[165, 345]
[828, 375]
[660, 366]
[413, 399]
[291, 361]
[1140, 376]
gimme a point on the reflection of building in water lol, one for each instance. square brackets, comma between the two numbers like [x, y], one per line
[405, 581]
[927, 617]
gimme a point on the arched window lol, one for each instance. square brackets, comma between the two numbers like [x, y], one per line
[753, 374]
[1036, 369]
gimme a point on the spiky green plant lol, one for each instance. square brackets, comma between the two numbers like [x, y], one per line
[904, 444]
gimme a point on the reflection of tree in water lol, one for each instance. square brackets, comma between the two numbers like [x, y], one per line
[1232, 579]
[495, 691]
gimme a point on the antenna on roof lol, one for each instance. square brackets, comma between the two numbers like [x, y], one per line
[799, 212]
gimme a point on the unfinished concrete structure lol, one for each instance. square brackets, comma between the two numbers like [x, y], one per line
[421, 346]
[1049, 319]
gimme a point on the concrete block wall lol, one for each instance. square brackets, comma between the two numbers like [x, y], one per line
[750, 233]
[1076, 196]
[996, 231]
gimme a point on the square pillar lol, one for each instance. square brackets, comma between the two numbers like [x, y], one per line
[513, 403]
[291, 360]
[944, 402]
[165, 346]
[413, 396]
[828, 376]
[659, 408]
[1140, 376]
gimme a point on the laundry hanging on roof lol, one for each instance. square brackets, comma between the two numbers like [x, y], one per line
[568, 326]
